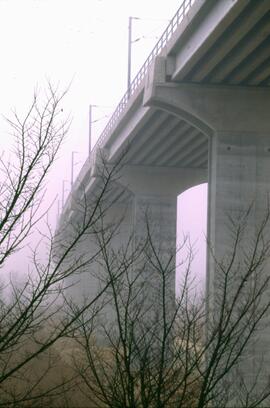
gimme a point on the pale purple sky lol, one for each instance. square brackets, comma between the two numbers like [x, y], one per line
[83, 41]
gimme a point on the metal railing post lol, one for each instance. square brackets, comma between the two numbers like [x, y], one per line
[129, 54]
[134, 85]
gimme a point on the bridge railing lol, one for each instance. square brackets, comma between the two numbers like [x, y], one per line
[134, 86]
[163, 40]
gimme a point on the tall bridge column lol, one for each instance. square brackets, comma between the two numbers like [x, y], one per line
[155, 192]
[158, 213]
[237, 122]
[239, 188]
[154, 234]
[153, 219]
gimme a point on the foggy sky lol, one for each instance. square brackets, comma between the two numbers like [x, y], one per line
[82, 42]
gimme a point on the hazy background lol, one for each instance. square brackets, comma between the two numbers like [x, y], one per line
[83, 42]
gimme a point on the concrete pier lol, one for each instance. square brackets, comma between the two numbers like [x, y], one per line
[197, 111]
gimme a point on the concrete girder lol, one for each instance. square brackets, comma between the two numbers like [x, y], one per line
[232, 37]
[210, 108]
[159, 121]
[214, 19]
[255, 61]
[179, 141]
[150, 151]
[237, 123]
[244, 49]
[161, 181]
[190, 152]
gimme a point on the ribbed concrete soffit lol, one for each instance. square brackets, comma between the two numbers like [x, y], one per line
[174, 143]
[241, 54]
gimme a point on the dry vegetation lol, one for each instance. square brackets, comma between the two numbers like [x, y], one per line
[152, 351]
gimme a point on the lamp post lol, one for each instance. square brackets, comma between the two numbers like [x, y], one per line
[72, 167]
[91, 121]
[129, 51]
[130, 42]
[90, 130]
[63, 192]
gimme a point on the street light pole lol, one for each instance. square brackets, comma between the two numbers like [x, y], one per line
[130, 41]
[90, 131]
[129, 54]
[72, 168]
[63, 192]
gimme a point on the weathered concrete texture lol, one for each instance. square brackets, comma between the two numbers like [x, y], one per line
[240, 179]
[164, 127]
[155, 224]
[237, 123]
[113, 227]
[161, 181]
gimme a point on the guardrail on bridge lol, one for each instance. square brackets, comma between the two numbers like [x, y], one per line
[165, 37]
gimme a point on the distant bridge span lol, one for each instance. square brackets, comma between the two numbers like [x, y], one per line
[198, 110]
[210, 53]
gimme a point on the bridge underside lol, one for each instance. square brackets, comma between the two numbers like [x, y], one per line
[186, 134]
[233, 50]
[202, 114]
[167, 140]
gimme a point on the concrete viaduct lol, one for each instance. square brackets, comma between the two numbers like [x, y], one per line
[197, 111]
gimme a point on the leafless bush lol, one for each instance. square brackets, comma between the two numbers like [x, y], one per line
[189, 353]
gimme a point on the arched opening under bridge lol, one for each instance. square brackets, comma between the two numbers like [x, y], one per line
[191, 235]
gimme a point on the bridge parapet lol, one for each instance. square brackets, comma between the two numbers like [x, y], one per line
[137, 82]
[80, 180]
[89, 171]
[176, 122]
[136, 87]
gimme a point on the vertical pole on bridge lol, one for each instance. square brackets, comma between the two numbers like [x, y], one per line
[90, 131]
[129, 54]
[72, 168]
[63, 193]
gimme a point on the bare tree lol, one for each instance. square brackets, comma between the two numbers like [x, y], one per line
[191, 353]
[32, 315]
[136, 346]
[36, 142]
